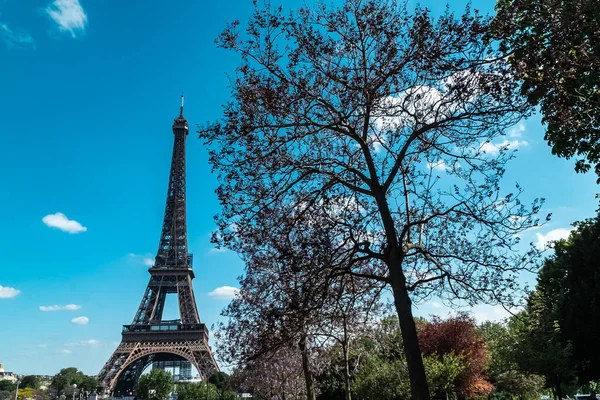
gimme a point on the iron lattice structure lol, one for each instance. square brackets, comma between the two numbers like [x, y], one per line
[150, 339]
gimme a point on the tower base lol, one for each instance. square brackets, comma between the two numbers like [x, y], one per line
[143, 345]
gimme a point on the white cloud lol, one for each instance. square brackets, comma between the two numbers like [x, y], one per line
[494, 148]
[66, 351]
[553, 235]
[439, 165]
[68, 307]
[11, 38]
[84, 343]
[516, 131]
[60, 221]
[516, 219]
[68, 14]
[396, 111]
[224, 293]
[145, 259]
[8, 292]
[80, 320]
[484, 312]
[42, 346]
[148, 261]
[481, 312]
[377, 141]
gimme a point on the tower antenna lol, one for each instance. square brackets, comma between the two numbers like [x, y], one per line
[181, 108]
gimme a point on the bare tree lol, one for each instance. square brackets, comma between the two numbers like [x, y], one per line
[296, 292]
[353, 307]
[396, 121]
[281, 296]
[273, 375]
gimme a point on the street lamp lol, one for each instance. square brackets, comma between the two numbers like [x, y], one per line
[17, 391]
[74, 387]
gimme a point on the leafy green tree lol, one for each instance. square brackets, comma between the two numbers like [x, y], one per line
[155, 385]
[198, 391]
[556, 334]
[522, 385]
[30, 381]
[539, 348]
[67, 377]
[377, 361]
[381, 379]
[504, 373]
[190, 391]
[443, 373]
[221, 381]
[501, 346]
[7, 385]
[553, 48]
[574, 266]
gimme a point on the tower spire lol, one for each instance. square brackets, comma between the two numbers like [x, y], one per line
[181, 108]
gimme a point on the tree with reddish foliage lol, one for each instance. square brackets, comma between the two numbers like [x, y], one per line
[458, 336]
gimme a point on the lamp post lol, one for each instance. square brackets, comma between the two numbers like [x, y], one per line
[17, 391]
[74, 387]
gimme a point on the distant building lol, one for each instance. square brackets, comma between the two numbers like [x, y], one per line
[45, 381]
[7, 376]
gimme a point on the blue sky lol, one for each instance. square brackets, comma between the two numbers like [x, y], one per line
[88, 92]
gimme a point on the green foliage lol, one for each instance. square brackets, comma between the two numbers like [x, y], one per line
[155, 385]
[67, 377]
[191, 391]
[525, 386]
[443, 372]
[30, 381]
[6, 385]
[381, 379]
[500, 345]
[577, 302]
[553, 47]
[377, 362]
[539, 349]
[197, 391]
[221, 381]
[556, 335]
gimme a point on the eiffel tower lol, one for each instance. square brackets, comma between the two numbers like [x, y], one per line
[149, 338]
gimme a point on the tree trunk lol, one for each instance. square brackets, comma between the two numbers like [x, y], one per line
[346, 362]
[284, 389]
[308, 378]
[419, 388]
